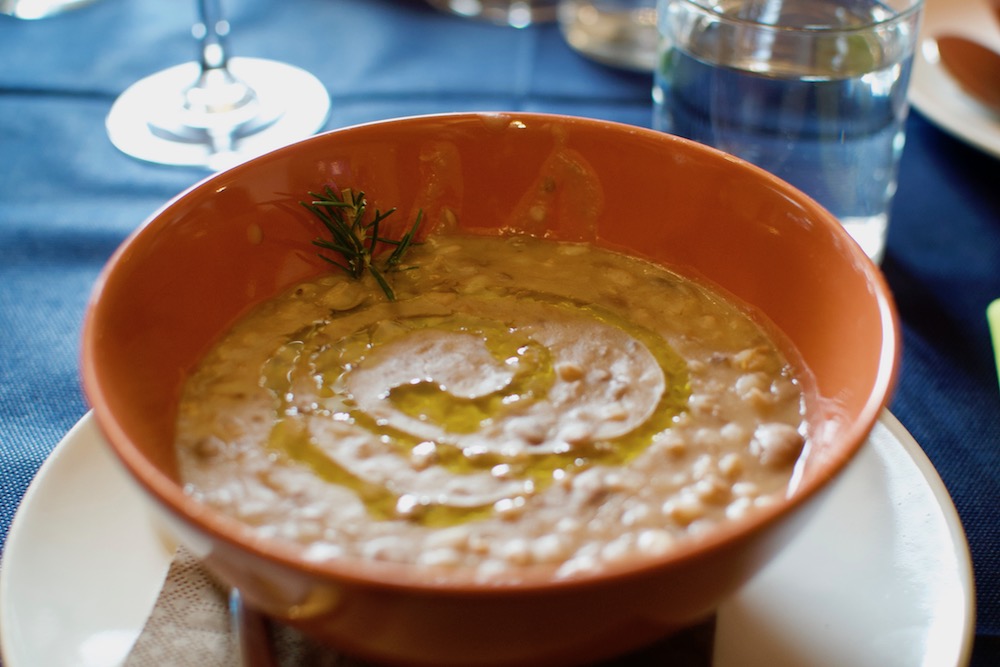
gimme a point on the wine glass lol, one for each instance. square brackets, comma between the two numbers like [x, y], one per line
[218, 111]
[38, 9]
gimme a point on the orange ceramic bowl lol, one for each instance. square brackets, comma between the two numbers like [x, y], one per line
[240, 237]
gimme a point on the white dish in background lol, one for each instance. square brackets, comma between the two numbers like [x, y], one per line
[933, 91]
[880, 578]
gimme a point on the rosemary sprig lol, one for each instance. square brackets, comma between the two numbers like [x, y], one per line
[356, 238]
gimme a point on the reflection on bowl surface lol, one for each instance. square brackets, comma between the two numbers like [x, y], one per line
[617, 462]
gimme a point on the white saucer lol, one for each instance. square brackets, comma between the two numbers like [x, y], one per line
[932, 90]
[881, 578]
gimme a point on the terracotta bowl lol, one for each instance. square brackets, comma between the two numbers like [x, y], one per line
[240, 237]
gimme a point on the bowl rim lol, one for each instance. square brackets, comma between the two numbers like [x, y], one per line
[169, 495]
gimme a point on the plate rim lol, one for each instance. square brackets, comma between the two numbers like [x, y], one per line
[934, 93]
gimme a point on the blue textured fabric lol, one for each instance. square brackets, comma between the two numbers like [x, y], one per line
[68, 198]
[943, 265]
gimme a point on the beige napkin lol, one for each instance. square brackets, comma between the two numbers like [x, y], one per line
[189, 627]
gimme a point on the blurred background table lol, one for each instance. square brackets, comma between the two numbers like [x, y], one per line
[68, 198]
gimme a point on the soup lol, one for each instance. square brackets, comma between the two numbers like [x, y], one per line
[521, 402]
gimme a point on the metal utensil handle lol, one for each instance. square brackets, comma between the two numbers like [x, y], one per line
[251, 634]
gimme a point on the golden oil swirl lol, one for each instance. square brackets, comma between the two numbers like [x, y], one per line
[316, 374]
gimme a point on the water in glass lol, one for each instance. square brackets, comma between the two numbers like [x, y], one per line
[823, 108]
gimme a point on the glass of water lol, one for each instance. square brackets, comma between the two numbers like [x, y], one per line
[813, 91]
[620, 33]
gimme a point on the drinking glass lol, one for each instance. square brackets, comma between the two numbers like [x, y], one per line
[620, 33]
[218, 111]
[813, 91]
[516, 13]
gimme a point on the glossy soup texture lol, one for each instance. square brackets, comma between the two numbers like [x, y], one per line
[521, 403]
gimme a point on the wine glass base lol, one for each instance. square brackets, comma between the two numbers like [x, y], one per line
[39, 9]
[146, 121]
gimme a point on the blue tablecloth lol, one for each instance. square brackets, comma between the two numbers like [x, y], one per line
[68, 198]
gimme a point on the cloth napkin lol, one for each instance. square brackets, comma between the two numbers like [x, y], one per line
[189, 627]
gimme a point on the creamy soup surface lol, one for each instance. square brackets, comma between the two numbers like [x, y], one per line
[522, 402]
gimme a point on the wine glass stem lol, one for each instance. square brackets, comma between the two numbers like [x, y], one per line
[219, 102]
[213, 29]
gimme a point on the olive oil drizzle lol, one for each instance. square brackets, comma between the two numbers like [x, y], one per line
[428, 400]
[309, 355]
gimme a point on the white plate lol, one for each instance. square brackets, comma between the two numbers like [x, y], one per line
[881, 578]
[932, 90]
